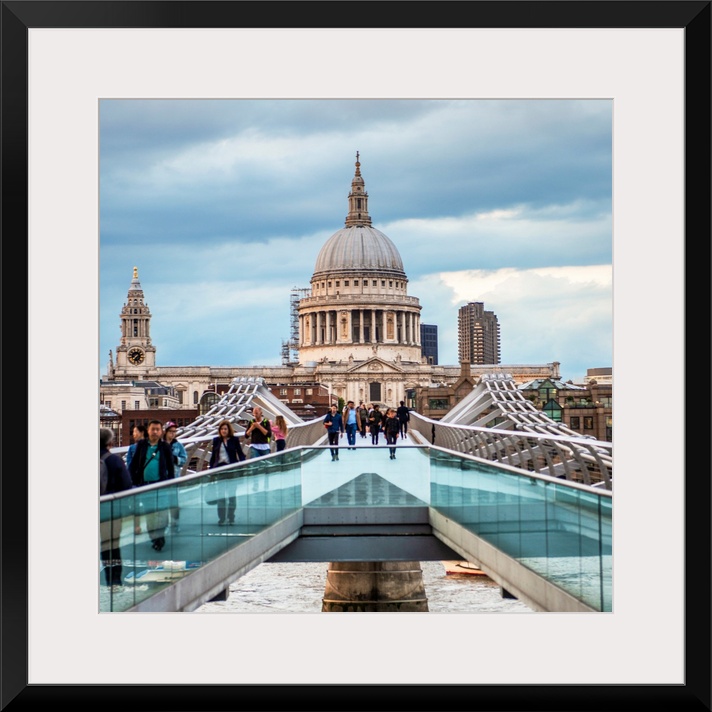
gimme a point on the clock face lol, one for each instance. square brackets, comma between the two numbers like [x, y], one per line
[136, 356]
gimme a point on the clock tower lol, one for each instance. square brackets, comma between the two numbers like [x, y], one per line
[135, 355]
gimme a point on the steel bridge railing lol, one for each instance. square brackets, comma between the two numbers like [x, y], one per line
[576, 459]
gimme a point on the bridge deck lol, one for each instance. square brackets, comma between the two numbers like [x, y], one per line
[301, 504]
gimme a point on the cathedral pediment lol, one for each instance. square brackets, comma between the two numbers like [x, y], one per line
[375, 365]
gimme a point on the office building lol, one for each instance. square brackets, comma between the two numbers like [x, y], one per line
[477, 335]
[429, 342]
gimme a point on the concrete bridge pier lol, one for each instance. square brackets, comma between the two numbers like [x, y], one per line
[374, 586]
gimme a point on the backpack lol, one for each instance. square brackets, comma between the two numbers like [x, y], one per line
[103, 474]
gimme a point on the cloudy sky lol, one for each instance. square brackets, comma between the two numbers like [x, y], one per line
[224, 205]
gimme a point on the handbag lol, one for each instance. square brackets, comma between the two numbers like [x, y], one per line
[211, 492]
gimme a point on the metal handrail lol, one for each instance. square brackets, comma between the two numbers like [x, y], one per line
[576, 459]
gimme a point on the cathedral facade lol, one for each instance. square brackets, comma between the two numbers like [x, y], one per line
[359, 331]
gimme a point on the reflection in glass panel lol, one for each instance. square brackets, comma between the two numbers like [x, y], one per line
[561, 532]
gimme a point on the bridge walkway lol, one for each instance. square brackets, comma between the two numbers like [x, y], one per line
[544, 540]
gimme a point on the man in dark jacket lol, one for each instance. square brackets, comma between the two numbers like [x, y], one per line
[153, 462]
[118, 480]
[260, 433]
[334, 424]
[403, 417]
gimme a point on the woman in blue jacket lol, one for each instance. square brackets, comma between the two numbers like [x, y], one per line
[226, 450]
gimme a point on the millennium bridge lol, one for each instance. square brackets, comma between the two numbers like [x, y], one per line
[495, 483]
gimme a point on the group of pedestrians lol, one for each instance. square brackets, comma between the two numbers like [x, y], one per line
[156, 455]
[365, 420]
[227, 449]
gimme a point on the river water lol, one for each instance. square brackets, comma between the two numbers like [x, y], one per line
[299, 588]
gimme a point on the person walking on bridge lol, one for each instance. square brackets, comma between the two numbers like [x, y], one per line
[403, 416]
[180, 457]
[334, 424]
[139, 432]
[374, 421]
[363, 418]
[226, 449]
[260, 433]
[117, 480]
[279, 430]
[153, 462]
[391, 427]
[352, 421]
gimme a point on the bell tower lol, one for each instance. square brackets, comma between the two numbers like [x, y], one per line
[135, 355]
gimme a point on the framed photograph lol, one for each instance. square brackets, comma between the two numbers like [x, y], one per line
[61, 59]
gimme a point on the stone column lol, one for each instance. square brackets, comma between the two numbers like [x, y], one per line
[360, 325]
[373, 326]
[374, 586]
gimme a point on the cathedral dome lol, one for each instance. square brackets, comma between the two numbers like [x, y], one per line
[358, 306]
[359, 248]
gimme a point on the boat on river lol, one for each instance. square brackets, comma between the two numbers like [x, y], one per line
[462, 567]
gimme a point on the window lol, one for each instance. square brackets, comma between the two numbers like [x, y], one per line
[297, 400]
[383, 282]
[588, 423]
[137, 405]
[438, 403]
[355, 283]
[374, 283]
[346, 283]
[180, 397]
[575, 423]
[123, 405]
[297, 391]
[107, 404]
[310, 391]
[328, 284]
[390, 282]
[338, 283]
[195, 397]
[283, 392]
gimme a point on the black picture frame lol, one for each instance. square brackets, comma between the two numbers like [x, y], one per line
[694, 17]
